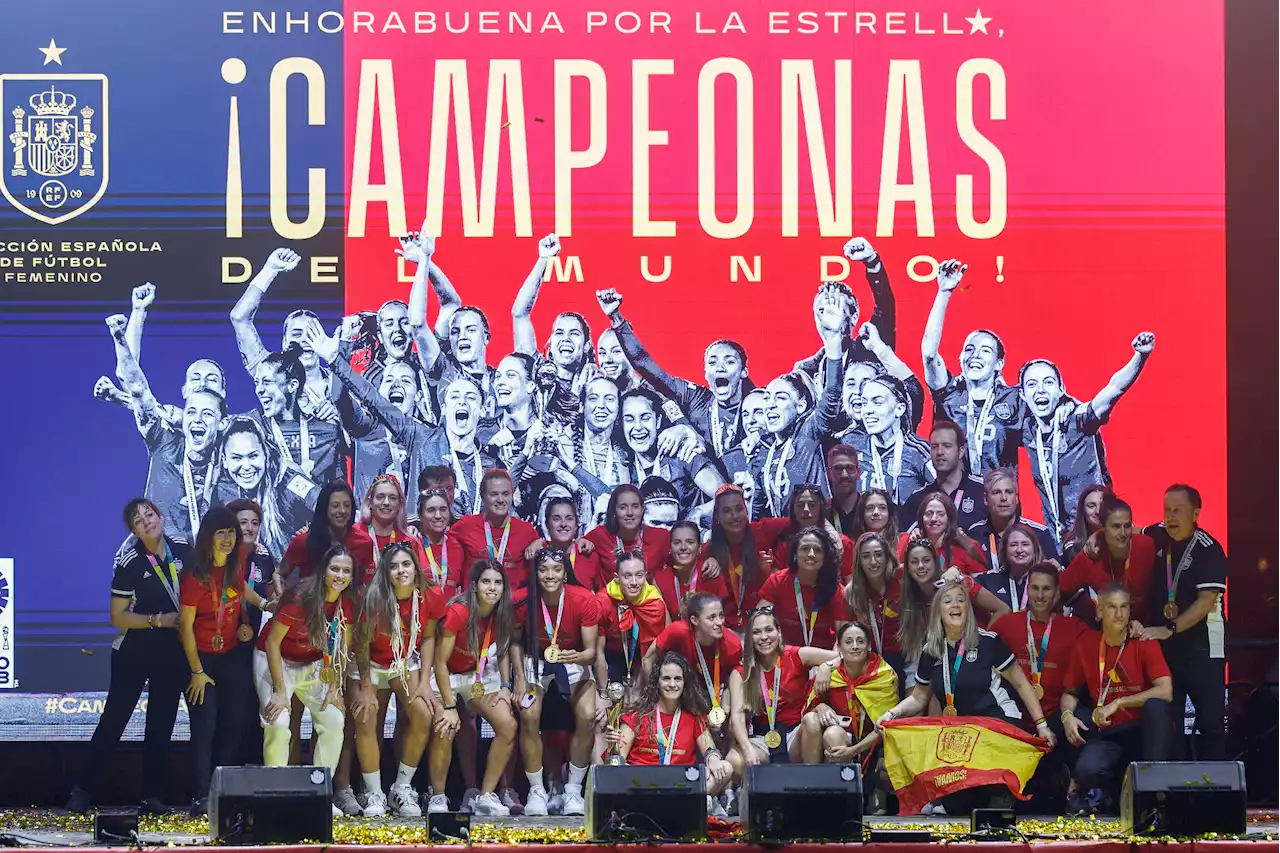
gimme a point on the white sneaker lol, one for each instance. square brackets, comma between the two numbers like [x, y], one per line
[573, 805]
[375, 804]
[337, 812]
[537, 804]
[511, 800]
[555, 798]
[939, 810]
[404, 801]
[347, 802]
[714, 809]
[489, 804]
[437, 804]
[469, 800]
[730, 802]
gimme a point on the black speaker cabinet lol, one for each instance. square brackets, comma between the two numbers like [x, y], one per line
[1183, 798]
[268, 805]
[801, 802]
[635, 802]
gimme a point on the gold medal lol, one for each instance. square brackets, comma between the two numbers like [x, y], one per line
[1171, 611]
[244, 633]
[328, 675]
[773, 740]
[477, 690]
[950, 711]
[1037, 689]
[552, 654]
[717, 717]
[1098, 719]
[217, 642]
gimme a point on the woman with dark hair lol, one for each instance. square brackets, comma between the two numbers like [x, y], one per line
[808, 508]
[701, 638]
[442, 554]
[740, 549]
[667, 724]
[1086, 523]
[875, 512]
[302, 656]
[560, 521]
[624, 530]
[922, 575]
[642, 421]
[561, 628]
[936, 520]
[395, 634]
[251, 470]
[144, 609]
[332, 523]
[1018, 550]
[213, 624]
[473, 655]
[591, 444]
[632, 615]
[1122, 556]
[681, 574]
[807, 598]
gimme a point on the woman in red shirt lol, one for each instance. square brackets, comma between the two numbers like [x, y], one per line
[808, 508]
[561, 628]
[302, 655]
[741, 550]
[681, 575]
[936, 520]
[922, 574]
[396, 632]
[712, 650]
[768, 693]
[384, 516]
[560, 519]
[874, 595]
[473, 656]
[624, 530]
[442, 556]
[332, 524]
[1122, 557]
[875, 512]
[632, 615]
[807, 598]
[213, 625]
[667, 724]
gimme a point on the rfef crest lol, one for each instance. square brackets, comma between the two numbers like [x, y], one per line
[956, 743]
[55, 164]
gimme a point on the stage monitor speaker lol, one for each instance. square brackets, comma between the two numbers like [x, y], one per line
[268, 805]
[993, 821]
[802, 802]
[1183, 798]
[112, 828]
[630, 802]
[448, 826]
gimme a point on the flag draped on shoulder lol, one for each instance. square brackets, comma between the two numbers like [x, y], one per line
[649, 610]
[930, 757]
[875, 690]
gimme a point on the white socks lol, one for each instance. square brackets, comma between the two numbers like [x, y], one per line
[535, 780]
[404, 775]
[372, 782]
[577, 775]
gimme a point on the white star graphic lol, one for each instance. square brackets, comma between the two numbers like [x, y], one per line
[978, 23]
[52, 53]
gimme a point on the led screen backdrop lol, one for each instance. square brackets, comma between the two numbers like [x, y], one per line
[713, 164]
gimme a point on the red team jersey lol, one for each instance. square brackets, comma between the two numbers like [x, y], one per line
[678, 638]
[617, 616]
[644, 747]
[206, 598]
[449, 562]
[674, 592]
[766, 533]
[581, 609]
[587, 569]
[782, 555]
[653, 541]
[1136, 573]
[780, 591]
[296, 646]
[357, 542]
[794, 678]
[455, 623]
[380, 544]
[1063, 637]
[431, 609]
[1135, 671]
[882, 622]
[470, 532]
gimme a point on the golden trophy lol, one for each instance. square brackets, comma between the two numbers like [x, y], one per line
[616, 692]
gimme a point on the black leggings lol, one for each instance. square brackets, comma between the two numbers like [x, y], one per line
[154, 661]
[218, 723]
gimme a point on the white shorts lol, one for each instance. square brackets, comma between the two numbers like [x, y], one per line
[382, 676]
[758, 740]
[577, 672]
[461, 683]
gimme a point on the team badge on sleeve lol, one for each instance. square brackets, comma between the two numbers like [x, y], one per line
[54, 166]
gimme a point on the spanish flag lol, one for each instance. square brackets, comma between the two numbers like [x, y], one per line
[649, 609]
[875, 690]
[929, 757]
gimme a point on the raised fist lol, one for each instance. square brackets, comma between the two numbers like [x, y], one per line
[143, 296]
[116, 325]
[870, 336]
[349, 330]
[103, 387]
[549, 246]
[610, 301]
[1144, 343]
[949, 275]
[858, 249]
[283, 260]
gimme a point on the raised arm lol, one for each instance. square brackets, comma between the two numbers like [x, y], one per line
[935, 369]
[885, 316]
[247, 340]
[681, 391]
[450, 301]
[131, 375]
[418, 249]
[141, 299]
[526, 339]
[327, 350]
[1124, 378]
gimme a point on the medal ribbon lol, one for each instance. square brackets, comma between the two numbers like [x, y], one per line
[171, 580]
[770, 694]
[333, 636]
[439, 572]
[666, 742]
[554, 632]
[1013, 593]
[875, 624]
[305, 437]
[950, 672]
[377, 552]
[399, 651]
[1037, 661]
[977, 428]
[476, 472]
[1124, 579]
[713, 682]
[693, 582]
[484, 651]
[1049, 473]
[632, 642]
[807, 620]
[1171, 577]
[878, 479]
[1104, 683]
[500, 552]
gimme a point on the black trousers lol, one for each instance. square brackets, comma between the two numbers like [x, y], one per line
[218, 723]
[1204, 679]
[154, 661]
[1102, 761]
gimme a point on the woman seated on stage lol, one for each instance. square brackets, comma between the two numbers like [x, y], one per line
[303, 654]
[958, 662]
[682, 575]
[560, 630]
[632, 616]
[874, 597]
[396, 633]
[473, 656]
[807, 597]
[839, 727]
[712, 650]
[667, 724]
[442, 552]
[768, 694]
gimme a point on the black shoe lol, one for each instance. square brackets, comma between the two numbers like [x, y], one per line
[79, 802]
[1076, 805]
[199, 808]
[153, 806]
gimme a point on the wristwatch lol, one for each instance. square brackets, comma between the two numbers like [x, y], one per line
[1172, 625]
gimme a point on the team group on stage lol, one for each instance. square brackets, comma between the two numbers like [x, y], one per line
[598, 561]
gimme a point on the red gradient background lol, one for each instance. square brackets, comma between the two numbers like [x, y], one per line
[1114, 149]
